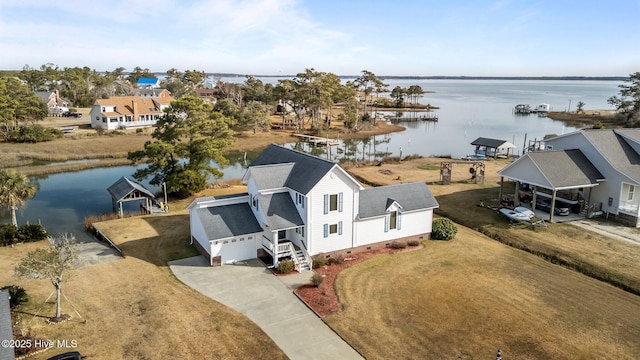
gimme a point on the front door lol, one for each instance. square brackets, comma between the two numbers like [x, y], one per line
[282, 234]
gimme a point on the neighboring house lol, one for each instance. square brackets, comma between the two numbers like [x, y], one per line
[208, 94]
[153, 93]
[594, 171]
[298, 206]
[148, 83]
[55, 103]
[122, 112]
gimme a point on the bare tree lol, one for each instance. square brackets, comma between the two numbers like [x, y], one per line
[51, 264]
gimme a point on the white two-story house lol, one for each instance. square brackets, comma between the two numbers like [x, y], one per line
[298, 206]
[122, 112]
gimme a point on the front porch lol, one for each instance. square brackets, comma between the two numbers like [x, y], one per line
[281, 248]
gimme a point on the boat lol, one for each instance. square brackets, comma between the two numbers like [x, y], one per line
[522, 109]
[518, 214]
[543, 108]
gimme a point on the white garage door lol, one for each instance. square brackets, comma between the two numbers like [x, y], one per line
[238, 249]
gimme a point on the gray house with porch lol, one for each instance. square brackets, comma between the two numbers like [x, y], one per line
[597, 170]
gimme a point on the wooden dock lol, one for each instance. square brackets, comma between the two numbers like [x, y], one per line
[317, 140]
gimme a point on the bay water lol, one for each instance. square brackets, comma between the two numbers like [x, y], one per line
[468, 109]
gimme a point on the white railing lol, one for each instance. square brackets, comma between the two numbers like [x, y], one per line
[628, 206]
[285, 249]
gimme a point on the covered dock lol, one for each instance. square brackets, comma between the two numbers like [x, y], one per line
[493, 147]
[125, 190]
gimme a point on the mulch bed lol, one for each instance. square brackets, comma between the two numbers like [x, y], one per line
[323, 299]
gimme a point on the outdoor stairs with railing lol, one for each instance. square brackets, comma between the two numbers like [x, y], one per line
[302, 260]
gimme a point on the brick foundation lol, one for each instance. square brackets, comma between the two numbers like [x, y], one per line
[204, 252]
[382, 244]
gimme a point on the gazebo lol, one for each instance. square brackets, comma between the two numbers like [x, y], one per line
[125, 190]
[492, 147]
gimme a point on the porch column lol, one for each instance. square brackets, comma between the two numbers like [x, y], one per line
[533, 198]
[500, 193]
[553, 205]
[274, 236]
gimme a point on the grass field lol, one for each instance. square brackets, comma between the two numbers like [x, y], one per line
[466, 298]
[134, 307]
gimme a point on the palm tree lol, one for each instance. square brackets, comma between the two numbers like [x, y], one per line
[15, 189]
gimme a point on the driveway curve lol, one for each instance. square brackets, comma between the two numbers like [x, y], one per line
[254, 291]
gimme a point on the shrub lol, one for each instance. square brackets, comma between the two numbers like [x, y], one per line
[139, 131]
[398, 244]
[32, 134]
[319, 261]
[8, 234]
[100, 130]
[285, 266]
[317, 279]
[336, 260]
[17, 295]
[32, 233]
[413, 242]
[443, 229]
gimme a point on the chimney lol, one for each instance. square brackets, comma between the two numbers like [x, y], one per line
[134, 106]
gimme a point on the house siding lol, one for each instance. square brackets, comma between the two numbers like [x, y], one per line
[335, 182]
[372, 230]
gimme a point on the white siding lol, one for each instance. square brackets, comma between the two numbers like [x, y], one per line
[335, 182]
[197, 232]
[371, 230]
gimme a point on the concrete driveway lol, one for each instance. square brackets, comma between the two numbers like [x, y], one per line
[254, 291]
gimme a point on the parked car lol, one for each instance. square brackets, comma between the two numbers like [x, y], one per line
[545, 205]
[71, 114]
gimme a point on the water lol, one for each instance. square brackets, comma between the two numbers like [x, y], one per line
[468, 109]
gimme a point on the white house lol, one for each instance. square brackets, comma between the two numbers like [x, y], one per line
[595, 171]
[298, 206]
[121, 112]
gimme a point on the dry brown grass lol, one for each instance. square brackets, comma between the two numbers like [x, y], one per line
[599, 256]
[134, 307]
[466, 298]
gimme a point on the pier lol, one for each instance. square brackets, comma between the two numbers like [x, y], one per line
[317, 140]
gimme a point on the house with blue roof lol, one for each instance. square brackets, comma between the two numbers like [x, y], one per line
[148, 83]
[298, 206]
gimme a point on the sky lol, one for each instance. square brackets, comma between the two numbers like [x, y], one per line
[344, 37]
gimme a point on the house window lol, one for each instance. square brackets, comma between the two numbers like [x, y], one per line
[103, 109]
[632, 189]
[333, 202]
[300, 200]
[255, 201]
[300, 231]
[393, 220]
[333, 229]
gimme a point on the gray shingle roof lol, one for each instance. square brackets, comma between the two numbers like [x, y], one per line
[228, 220]
[411, 196]
[280, 210]
[124, 186]
[271, 176]
[492, 143]
[617, 150]
[307, 169]
[554, 169]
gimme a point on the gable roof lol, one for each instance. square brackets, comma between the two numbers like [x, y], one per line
[271, 176]
[124, 186]
[561, 169]
[280, 211]
[410, 196]
[614, 146]
[124, 104]
[226, 221]
[307, 171]
[492, 143]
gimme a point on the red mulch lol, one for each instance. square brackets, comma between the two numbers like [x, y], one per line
[323, 299]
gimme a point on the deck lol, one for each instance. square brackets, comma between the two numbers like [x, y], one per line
[317, 140]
